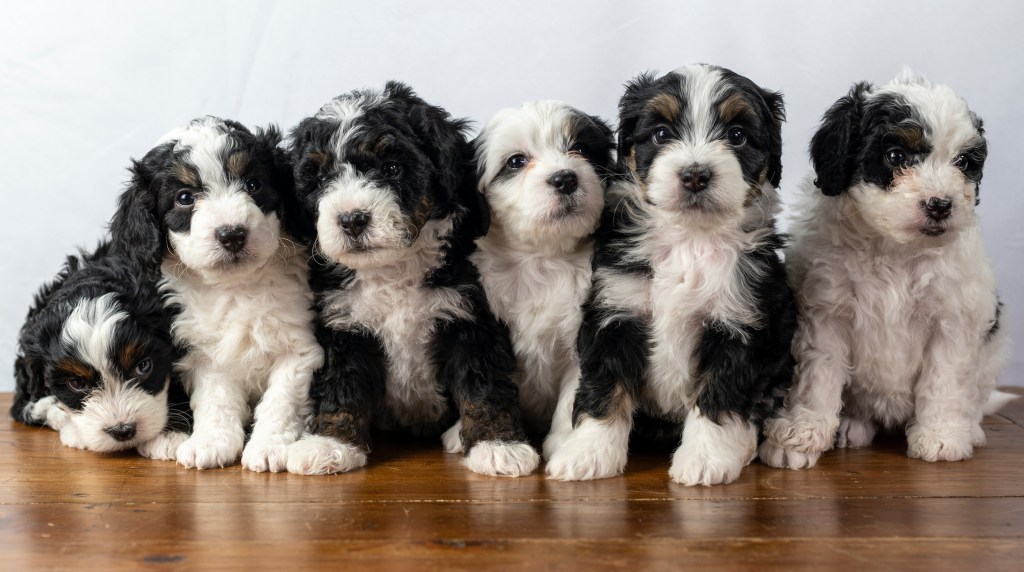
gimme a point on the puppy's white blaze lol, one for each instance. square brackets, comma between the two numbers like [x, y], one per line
[596, 449]
[89, 330]
[115, 403]
[392, 302]
[347, 111]
[205, 140]
[713, 453]
[502, 459]
[229, 206]
[319, 455]
[384, 239]
[703, 86]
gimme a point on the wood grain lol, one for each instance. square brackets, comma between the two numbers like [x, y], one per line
[415, 507]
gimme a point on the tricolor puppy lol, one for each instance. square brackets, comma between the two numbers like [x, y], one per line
[410, 343]
[899, 318]
[208, 203]
[543, 169]
[94, 360]
[690, 319]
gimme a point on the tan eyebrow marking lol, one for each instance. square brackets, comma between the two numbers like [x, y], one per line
[187, 175]
[237, 163]
[667, 106]
[734, 106]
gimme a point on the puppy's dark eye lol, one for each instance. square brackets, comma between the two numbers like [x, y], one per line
[895, 157]
[517, 161]
[185, 199]
[661, 135]
[252, 185]
[321, 181]
[78, 384]
[392, 169]
[143, 367]
[579, 149]
[963, 162]
[736, 136]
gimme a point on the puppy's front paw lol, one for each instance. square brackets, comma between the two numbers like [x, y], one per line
[451, 440]
[773, 455]
[266, 454]
[208, 451]
[690, 468]
[945, 445]
[855, 433]
[163, 447]
[553, 442]
[318, 455]
[803, 432]
[502, 458]
[591, 451]
[70, 436]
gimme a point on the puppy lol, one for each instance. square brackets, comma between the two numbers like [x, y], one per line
[207, 204]
[94, 360]
[689, 319]
[542, 168]
[387, 181]
[899, 316]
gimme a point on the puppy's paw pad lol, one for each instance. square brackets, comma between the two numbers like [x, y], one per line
[502, 458]
[207, 452]
[317, 455]
[690, 468]
[801, 435]
[163, 447]
[451, 440]
[266, 454]
[933, 446]
[855, 433]
[781, 458]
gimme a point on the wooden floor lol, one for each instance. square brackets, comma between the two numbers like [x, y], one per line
[416, 508]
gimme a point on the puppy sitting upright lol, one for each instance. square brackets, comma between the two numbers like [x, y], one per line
[542, 168]
[387, 180]
[208, 205]
[689, 319]
[899, 318]
[94, 360]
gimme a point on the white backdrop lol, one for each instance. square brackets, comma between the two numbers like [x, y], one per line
[84, 86]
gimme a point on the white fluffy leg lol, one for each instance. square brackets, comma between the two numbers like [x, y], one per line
[48, 411]
[264, 453]
[163, 447]
[561, 421]
[319, 455]
[713, 453]
[451, 439]
[855, 433]
[502, 458]
[593, 450]
[210, 449]
[70, 435]
[281, 413]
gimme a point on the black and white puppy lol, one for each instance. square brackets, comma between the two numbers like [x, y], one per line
[94, 360]
[899, 318]
[543, 169]
[208, 203]
[410, 342]
[689, 319]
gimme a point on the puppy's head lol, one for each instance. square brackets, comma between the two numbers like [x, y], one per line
[372, 168]
[542, 168]
[212, 193]
[108, 367]
[910, 155]
[703, 143]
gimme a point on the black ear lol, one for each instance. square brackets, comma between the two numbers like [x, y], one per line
[606, 135]
[134, 230]
[834, 147]
[268, 142]
[444, 142]
[631, 107]
[777, 109]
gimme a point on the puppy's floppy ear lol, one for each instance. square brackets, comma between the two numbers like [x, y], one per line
[834, 147]
[631, 108]
[268, 141]
[134, 229]
[606, 135]
[777, 110]
[444, 142]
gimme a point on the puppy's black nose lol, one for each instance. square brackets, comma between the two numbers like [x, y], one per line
[354, 223]
[695, 179]
[938, 209]
[564, 181]
[232, 238]
[121, 431]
